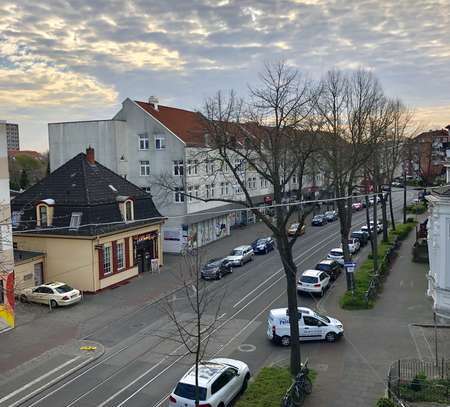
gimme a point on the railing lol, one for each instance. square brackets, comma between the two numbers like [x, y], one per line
[415, 380]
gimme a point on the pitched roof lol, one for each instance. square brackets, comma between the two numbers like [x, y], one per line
[187, 125]
[430, 135]
[90, 188]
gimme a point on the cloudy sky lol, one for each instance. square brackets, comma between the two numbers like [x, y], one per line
[65, 60]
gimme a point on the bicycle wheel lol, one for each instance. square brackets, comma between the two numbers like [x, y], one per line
[287, 401]
[307, 385]
[297, 396]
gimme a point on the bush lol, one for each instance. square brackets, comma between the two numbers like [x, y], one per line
[418, 382]
[268, 387]
[384, 402]
[402, 230]
[417, 208]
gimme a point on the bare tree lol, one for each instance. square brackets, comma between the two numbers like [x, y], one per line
[343, 111]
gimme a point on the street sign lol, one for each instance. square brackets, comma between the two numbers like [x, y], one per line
[350, 267]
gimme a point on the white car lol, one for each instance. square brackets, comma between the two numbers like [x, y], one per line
[55, 294]
[337, 254]
[353, 245]
[312, 326]
[220, 381]
[313, 281]
[240, 255]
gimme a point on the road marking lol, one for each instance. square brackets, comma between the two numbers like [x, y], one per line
[221, 316]
[33, 382]
[428, 343]
[415, 342]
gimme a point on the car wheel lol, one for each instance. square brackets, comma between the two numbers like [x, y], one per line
[266, 250]
[219, 275]
[322, 292]
[230, 270]
[330, 337]
[53, 303]
[286, 340]
[241, 263]
[23, 298]
[245, 383]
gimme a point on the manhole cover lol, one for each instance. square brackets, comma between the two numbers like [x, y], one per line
[246, 347]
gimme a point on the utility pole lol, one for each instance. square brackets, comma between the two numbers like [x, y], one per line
[404, 193]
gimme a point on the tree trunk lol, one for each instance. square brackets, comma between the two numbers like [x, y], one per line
[404, 197]
[384, 216]
[290, 270]
[368, 222]
[374, 235]
[391, 209]
[345, 223]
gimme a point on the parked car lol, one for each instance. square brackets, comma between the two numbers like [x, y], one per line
[55, 294]
[313, 281]
[311, 325]
[240, 255]
[397, 184]
[331, 267]
[353, 245]
[263, 245]
[216, 269]
[379, 227]
[337, 254]
[331, 216]
[292, 231]
[363, 237]
[220, 381]
[319, 220]
[357, 206]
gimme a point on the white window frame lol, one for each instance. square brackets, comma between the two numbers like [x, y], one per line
[143, 141]
[144, 166]
[125, 215]
[178, 168]
[75, 220]
[107, 260]
[213, 190]
[160, 143]
[207, 191]
[197, 191]
[189, 191]
[178, 195]
[120, 255]
[15, 218]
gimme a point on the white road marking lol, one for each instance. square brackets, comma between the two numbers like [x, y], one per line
[221, 316]
[33, 382]
[415, 342]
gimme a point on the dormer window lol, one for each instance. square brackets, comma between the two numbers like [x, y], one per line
[44, 213]
[43, 216]
[75, 220]
[129, 210]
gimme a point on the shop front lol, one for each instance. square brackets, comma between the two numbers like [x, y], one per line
[145, 249]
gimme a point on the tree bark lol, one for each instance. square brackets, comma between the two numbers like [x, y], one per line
[368, 222]
[345, 222]
[374, 234]
[384, 216]
[391, 209]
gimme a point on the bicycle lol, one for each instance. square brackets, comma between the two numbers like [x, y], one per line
[300, 387]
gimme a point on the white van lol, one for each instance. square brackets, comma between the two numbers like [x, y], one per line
[312, 326]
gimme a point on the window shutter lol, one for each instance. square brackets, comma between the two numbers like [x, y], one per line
[114, 256]
[100, 263]
[127, 253]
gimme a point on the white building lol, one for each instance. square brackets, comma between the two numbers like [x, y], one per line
[149, 144]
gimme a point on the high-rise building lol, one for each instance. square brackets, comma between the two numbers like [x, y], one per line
[12, 135]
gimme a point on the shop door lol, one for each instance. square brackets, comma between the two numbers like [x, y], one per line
[38, 273]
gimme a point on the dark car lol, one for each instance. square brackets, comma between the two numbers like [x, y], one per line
[330, 216]
[331, 267]
[319, 220]
[215, 269]
[263, 245]
[362, 236]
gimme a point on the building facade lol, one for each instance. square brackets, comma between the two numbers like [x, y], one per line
[12, 135]
[6, 243]
[95, 228]
[150, 145]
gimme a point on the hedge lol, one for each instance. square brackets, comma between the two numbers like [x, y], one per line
[417, 208]
[363, 276]
[268, 387]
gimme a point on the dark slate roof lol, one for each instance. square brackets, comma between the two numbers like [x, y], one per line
[22, 255]
[79, 186]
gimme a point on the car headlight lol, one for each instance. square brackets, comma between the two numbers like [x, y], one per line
[340, 326]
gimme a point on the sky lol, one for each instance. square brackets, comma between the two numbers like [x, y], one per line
[67, 60]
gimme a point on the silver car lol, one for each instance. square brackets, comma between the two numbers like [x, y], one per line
[241, 255]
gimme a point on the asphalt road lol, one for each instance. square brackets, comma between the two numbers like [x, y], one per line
[143, 360]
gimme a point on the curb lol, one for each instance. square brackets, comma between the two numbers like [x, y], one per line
[428, 325]
[100, 351]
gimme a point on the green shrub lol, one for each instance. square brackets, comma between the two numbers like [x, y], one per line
[417, 208]
[384, 402]
[402, 230]
[418, 382]
[268, 387]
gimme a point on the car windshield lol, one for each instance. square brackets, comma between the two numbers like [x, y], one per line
[323, 267]
[236, 253]
[294, 226]
[336, 253]
[260, 241]
[318, 217]
[187, 391]
[329, 213]
[323, 318]
[308, 279]
[63, 289]
[213, 263]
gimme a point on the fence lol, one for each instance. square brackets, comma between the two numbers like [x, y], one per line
[415, 380]
[377, 277]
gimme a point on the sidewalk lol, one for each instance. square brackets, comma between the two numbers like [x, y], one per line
[38, 330]
[355, 370]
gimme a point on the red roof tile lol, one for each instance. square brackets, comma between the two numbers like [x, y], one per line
[187, 125]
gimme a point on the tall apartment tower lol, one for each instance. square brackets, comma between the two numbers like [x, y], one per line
[12, 135]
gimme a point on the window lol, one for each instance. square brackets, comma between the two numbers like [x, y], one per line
[310, 321]
[120, 249]
[208, 190]
[252, 183]
[209, 167]
[148, 190]
[129, 210]
[15, 219]
[160, 143]
[43, 216]
[294, 179]
[179, 195]
[222, 380]
[222, 188]
[75, 220]
[237, 189]
[143, 141]
[197, 191]
[107, 260]
[178, 168]
[189, 191]
[192, 167]
[145, 168]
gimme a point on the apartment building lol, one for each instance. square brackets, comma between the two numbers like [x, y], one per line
[12, 135]
[6, 245]
[152, 146]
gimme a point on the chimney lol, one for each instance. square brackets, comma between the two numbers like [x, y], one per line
[90, 155]
[154, 101]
